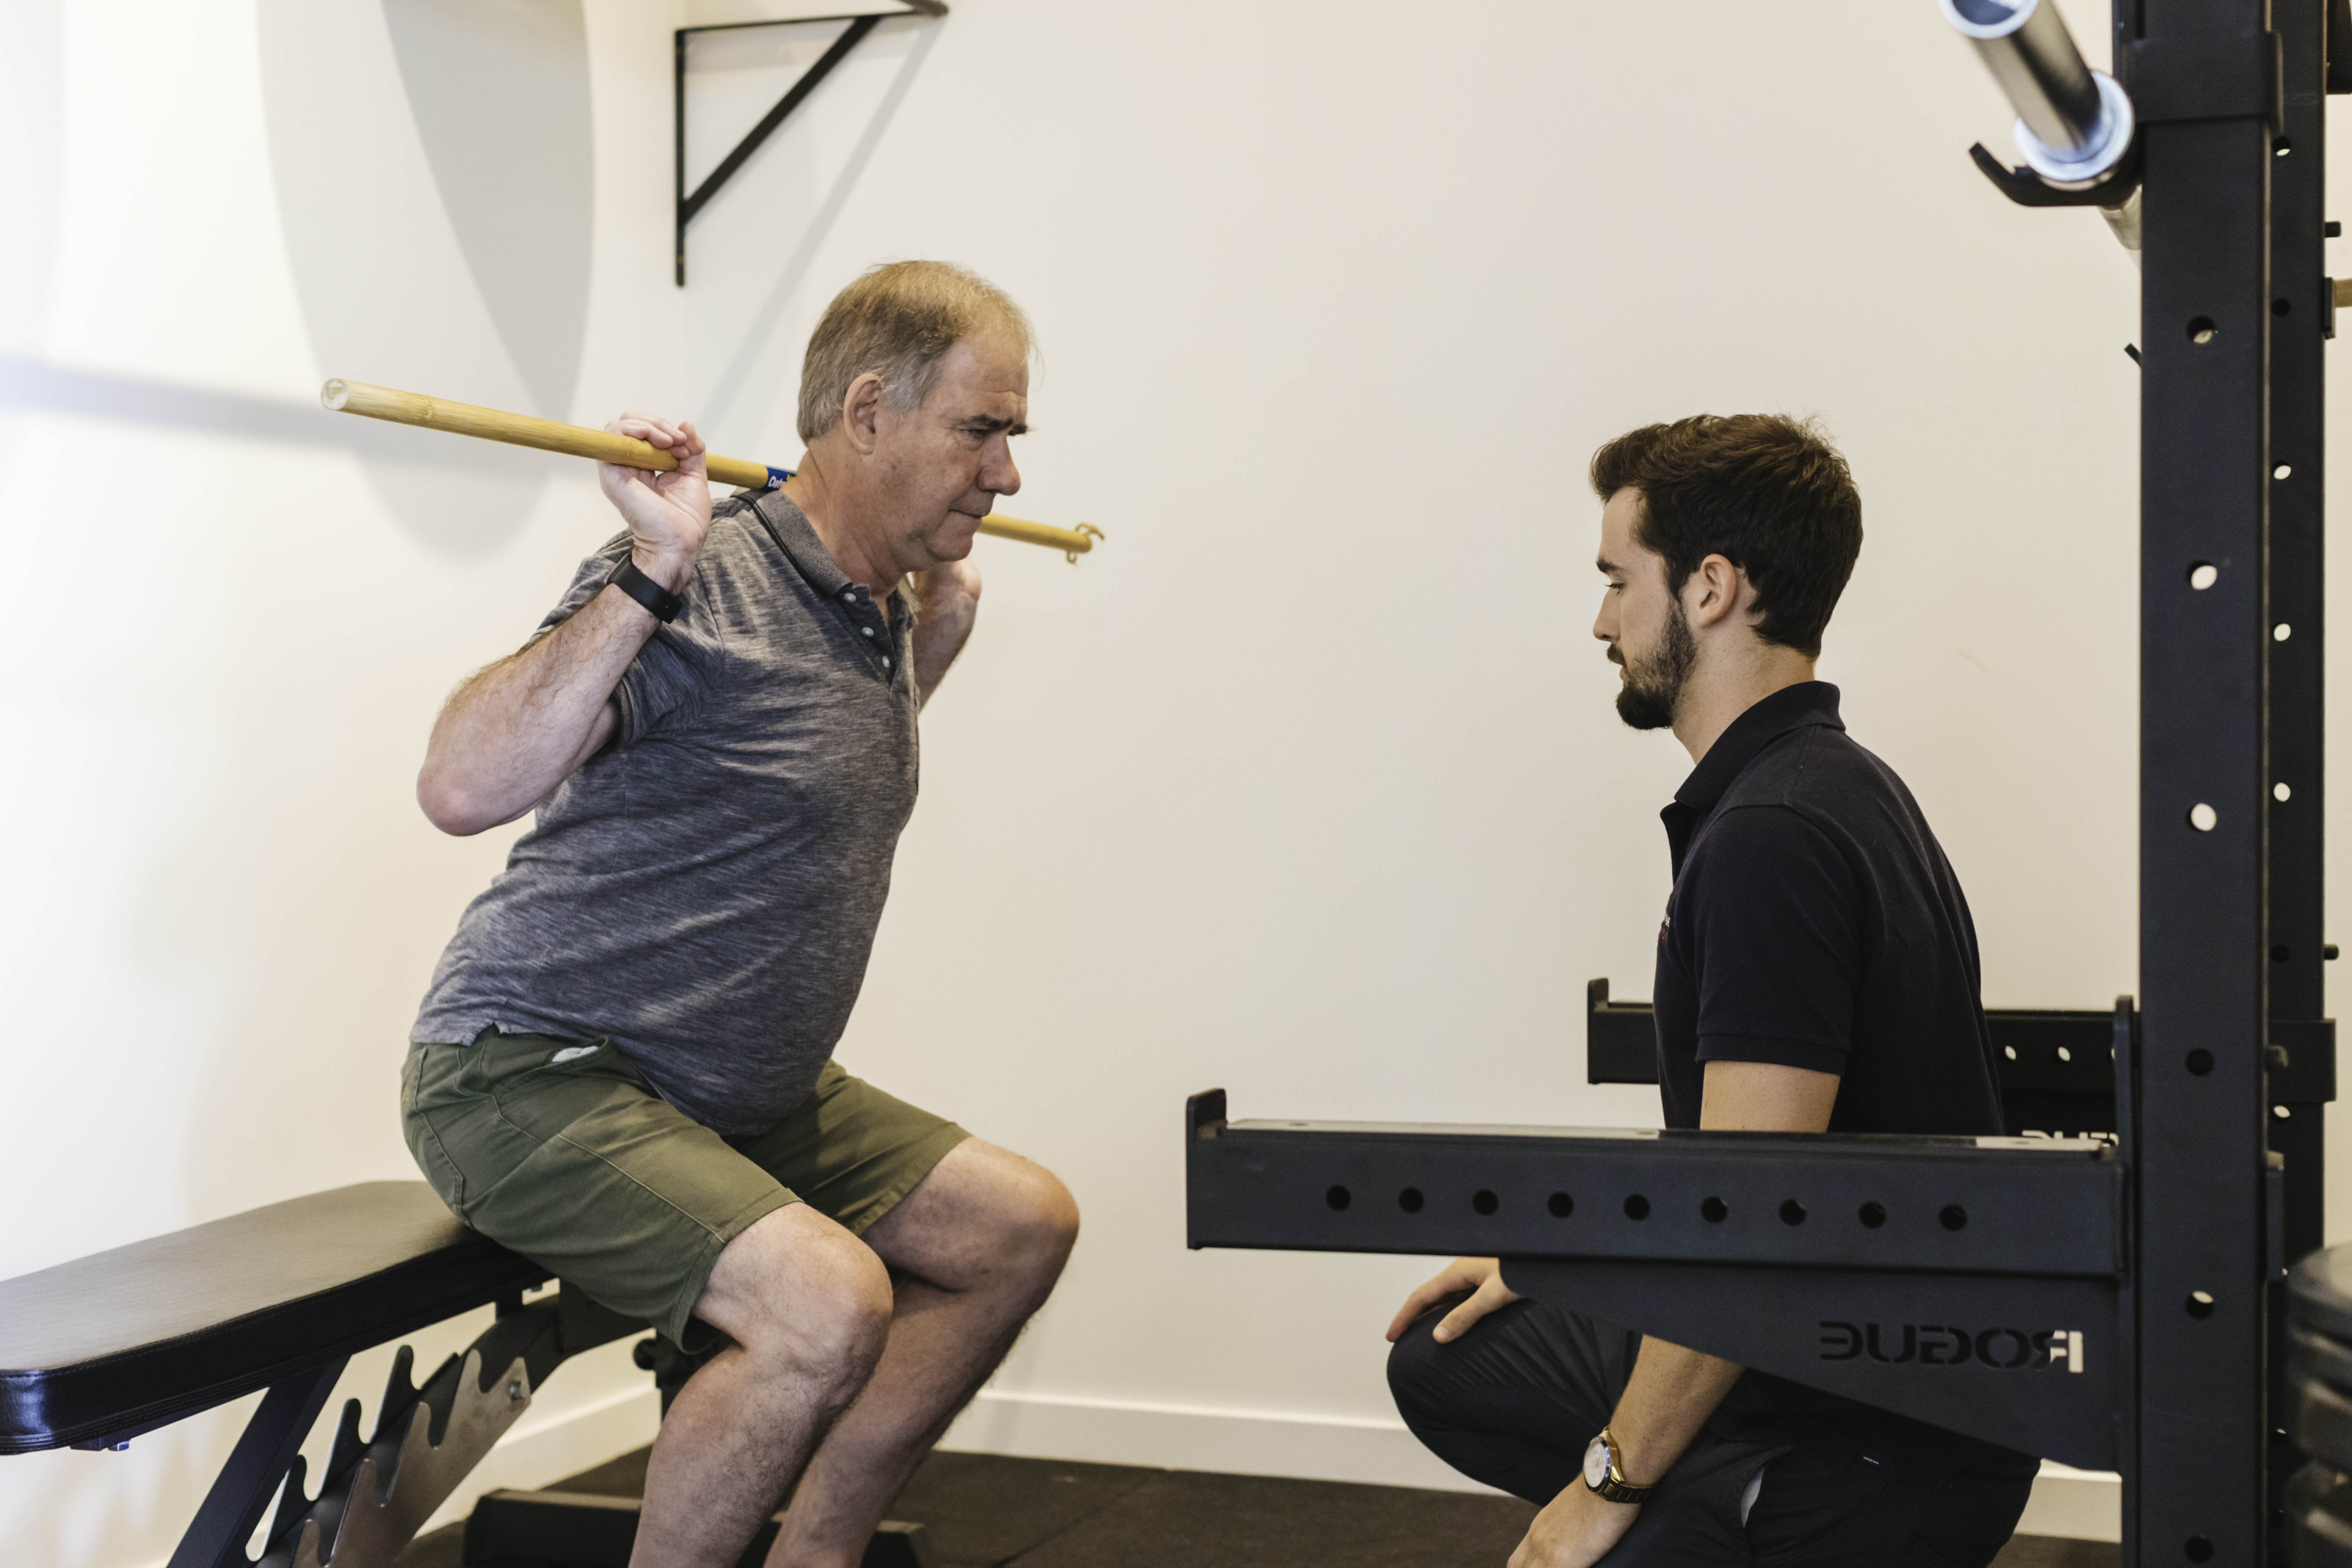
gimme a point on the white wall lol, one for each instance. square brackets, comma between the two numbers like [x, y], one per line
[1306, 785]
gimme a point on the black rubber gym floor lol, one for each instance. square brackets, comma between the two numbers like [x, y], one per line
[985, 1511]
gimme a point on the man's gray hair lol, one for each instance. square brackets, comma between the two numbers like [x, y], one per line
[898, 321]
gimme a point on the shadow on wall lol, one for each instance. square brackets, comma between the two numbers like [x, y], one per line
[32, 383]
[32, 180]
[434, 169]
[500, 90]
[915, 37]
[32, 123]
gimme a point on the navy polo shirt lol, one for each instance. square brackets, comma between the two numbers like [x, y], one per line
[1814, 923]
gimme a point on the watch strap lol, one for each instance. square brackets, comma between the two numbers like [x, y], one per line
[1613, 1487]
[658, 601]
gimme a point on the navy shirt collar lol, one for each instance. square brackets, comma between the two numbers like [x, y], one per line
[1807, 704]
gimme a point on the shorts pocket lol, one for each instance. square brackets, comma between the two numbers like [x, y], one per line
[424, 1145]
[457, 1121]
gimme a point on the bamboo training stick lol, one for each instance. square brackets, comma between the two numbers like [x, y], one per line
[579, 441]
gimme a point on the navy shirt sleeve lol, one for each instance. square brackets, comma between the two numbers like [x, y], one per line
[1768, 918]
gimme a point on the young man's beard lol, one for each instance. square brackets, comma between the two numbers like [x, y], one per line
[1654, 685]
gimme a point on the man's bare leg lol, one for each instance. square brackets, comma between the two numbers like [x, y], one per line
[976, 1249]
[808, 1308]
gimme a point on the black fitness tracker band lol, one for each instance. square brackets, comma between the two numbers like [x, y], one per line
[658, 601]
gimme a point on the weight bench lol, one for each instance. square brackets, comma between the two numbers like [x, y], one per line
[97, 1352]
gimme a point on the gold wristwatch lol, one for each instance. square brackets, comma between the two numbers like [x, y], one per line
[1605, 1472]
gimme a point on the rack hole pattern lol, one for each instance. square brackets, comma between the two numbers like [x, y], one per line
[1871, 1215]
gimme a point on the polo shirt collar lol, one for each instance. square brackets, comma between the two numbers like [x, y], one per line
[1809, 702]
[789, 527]
[1794, 707]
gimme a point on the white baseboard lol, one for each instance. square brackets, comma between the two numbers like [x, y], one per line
[1194, 1437]
[541, 1450]
[2087, 1505]
[2083, 1504]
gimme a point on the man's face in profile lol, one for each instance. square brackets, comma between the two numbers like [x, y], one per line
[946, 463]
[1648, 636]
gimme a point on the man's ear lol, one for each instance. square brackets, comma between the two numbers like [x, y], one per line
[861, 413]
[1712, 591]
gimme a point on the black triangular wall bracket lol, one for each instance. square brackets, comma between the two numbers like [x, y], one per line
[860, 23]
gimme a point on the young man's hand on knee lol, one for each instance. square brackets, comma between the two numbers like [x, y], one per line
[1482, 1277]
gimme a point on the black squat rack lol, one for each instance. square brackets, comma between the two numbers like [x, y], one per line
[2107, 1292]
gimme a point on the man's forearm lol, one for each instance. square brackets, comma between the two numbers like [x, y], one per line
[518, 729]
[1671, 1392]
[947, 608]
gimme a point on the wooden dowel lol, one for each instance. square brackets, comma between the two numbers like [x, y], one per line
[603, 446]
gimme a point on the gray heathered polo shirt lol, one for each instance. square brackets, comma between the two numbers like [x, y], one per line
[705, 890]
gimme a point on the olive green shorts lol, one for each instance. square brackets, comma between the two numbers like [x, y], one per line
[581, 1167]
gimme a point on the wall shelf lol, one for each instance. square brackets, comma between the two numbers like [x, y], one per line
[861, 23]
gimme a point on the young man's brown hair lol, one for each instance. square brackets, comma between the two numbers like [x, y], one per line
[1766, 492]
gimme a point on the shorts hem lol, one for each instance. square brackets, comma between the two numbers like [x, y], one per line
[917, 1167]
[678, 1321]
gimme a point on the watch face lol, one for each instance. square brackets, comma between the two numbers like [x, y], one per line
[1596, 1464]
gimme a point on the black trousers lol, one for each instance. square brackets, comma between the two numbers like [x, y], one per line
[1514, 1402]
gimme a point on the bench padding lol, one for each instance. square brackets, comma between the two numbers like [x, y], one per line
[124, 1341]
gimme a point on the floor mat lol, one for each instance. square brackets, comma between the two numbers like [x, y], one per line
[986, 1511]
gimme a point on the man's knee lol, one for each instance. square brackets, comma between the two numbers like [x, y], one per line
[1033, 1225]
[1043, 1220]
[1413, 1361]
[805, 1297]
[986, 1219]
[841, 1327]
